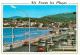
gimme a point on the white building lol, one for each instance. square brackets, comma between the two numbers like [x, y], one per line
[26, 22]
[40, 24]
[5, 23]
[52, 23]
[32, 23]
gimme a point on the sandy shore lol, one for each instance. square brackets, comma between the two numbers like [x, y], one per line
[35, 38]
[31, 40]
[20, 43]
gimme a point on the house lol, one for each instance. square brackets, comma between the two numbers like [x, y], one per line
[13, 23]
[32, 23]
[26, 22]
[19, 24]
[14, 20]
[5, 23]
[52, 23]
[40, 24]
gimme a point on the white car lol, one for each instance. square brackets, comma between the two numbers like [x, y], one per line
[43, 41]
[55, 40]
[50, 43]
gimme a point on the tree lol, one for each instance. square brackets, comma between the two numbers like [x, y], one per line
[25, 19]
[18, 19]
[36, 25]
[74, 12]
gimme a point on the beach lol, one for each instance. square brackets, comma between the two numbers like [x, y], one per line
[19, 34]
[20, 43]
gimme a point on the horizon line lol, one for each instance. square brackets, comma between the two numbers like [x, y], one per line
[39, 17]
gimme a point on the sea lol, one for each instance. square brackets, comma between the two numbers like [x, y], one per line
[19, 34]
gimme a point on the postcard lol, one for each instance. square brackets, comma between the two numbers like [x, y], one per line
[39, 27]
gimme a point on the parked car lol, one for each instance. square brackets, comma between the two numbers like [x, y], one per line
[55, 40]
[50, 43]
[63, 39]
[42, 41]
[35, 43]
[26, 43]
[41, 47]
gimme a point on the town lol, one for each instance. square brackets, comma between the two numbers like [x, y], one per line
[41, 22]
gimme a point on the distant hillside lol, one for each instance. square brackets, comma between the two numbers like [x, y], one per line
[61, 17]
[15, 17]
[51, 18]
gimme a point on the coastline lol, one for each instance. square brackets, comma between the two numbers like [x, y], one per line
[20, 43]
[30, 39]
[24, 27]
[27, 39]
[19, 27]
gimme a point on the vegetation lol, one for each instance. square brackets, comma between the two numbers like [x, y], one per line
[50, 18]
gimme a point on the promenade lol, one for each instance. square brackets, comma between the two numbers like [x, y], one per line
[20, 43]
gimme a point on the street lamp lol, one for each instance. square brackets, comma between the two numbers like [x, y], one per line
[29, 23]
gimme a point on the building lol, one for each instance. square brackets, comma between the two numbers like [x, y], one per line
[26, 23]
[32, 23]
[40, 24]
[14, 20]
[13, 23]
[19, 24]
[52, 23]
[5, 23]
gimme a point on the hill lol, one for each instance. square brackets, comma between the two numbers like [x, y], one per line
[50, 18]
[15, 17]
[61, 17]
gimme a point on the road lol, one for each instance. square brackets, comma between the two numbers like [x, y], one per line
[23, 49]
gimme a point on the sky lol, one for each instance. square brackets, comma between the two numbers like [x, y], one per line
[37, 11]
